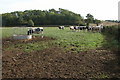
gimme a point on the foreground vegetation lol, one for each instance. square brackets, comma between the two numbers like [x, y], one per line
[111, 34]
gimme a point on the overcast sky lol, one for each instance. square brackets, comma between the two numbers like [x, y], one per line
[100, 9]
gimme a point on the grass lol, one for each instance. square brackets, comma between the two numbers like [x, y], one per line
[69, 40]
[8, 31]
[75, 41]
[29, 47]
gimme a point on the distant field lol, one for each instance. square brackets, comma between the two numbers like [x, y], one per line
[105, 23]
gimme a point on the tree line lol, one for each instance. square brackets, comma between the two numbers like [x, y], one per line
[46, 17]
[117, 21]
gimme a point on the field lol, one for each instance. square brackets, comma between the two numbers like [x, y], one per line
[59, 54]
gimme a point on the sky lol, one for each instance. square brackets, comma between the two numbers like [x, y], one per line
[100, 9]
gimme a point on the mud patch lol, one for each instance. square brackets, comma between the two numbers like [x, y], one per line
[7, 42]
[55, 63]
[34, 39]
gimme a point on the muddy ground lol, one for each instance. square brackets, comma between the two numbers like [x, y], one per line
[54, 62]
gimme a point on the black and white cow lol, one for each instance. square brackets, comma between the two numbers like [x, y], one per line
[35, 30]
[76, 27]
[61, 27]
[82, 27]
[71, 27]
[97, 28]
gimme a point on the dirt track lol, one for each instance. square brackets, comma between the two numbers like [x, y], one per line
[54, 62]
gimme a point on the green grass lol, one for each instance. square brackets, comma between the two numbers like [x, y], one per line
[8, 32]
[70, 41]
[75, 41]
[28, 47]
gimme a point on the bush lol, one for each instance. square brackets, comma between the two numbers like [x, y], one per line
[112, 34]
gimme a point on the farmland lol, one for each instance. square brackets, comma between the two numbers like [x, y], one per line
[67, 39]
[60, 53]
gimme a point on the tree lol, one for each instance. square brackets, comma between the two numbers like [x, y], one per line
[38, 17]
[89, 19]
[97, 22]
[30, 23]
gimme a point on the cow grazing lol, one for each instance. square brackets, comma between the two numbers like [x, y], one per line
[61, 27]
[35, 30]
[89, 28]
[71, 27]
[76, 27]
[82, 27]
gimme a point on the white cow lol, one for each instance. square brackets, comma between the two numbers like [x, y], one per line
[98, 28]
[61, 27]
[72, 28]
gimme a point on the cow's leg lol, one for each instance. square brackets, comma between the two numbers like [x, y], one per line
[28, 33]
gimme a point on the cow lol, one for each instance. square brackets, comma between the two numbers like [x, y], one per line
[71, 27]
[83, 27]
[61, 27]
[90, 28]
[35, 30]
[76, 27]
[98, 28]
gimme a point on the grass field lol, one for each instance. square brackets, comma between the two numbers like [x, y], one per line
[59, 54]
[74, 41]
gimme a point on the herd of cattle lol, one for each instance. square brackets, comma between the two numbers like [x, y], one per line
[73, 28]
[89, 28]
